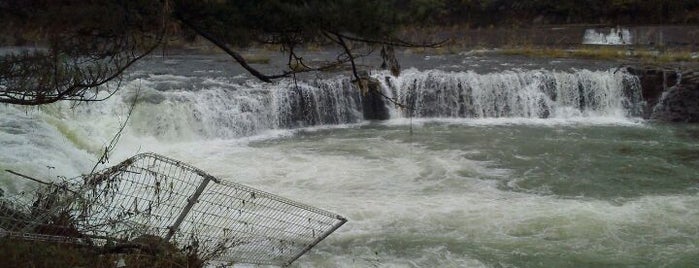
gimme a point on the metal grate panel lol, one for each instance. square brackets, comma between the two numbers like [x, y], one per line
[152, 195]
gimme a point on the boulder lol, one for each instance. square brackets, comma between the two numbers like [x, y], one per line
[654, 81]
[373, 103]
[670, 95]
[679, 104]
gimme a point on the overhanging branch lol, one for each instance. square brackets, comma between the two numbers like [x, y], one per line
[236, 56]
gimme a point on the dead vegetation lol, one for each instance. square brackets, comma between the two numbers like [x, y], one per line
[160, 212]
[57, 242]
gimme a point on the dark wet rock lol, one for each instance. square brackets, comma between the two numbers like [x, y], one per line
[373, 103]
[670, 95]
[680, 104]
[654, 81]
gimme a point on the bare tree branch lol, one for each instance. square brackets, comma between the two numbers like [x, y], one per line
[340, 41]
[236, 56]
[104, 158]
[82, 54]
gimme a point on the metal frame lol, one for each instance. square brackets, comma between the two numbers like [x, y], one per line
[149, 194]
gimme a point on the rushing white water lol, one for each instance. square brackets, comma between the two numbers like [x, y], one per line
[184, 108]
[616, 36]
[174, 108]
[525, 94]
[435, 198]
[514, 169]
[235, 110]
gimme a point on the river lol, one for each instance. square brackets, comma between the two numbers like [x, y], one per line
[503, 162]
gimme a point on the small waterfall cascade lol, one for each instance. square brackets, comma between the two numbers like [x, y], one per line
[527, 94]
[616, 36]
[246, 109]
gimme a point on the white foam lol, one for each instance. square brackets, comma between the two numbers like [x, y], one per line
[227, 113]
[567, 121]
[616, 36]
[516, 93]
[40, 149]
[406, 202]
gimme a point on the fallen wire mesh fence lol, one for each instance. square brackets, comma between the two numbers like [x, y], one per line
[149, 196]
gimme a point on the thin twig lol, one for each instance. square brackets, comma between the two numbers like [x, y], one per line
[340, 41]
[104, 158]
[27, 177]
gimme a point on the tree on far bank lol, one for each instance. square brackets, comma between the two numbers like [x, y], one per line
[82, 45]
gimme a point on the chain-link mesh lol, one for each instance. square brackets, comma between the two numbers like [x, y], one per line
[152, 195]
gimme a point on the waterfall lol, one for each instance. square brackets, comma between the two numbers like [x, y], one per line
[180, 108]
[528, 94]
[239, 110]
[221, 109]
[616, 36]
[70, 136]
[320, 102]
[205, 109]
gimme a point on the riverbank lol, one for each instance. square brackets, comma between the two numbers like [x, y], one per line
[667, 46]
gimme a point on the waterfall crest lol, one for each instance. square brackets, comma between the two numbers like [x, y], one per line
[216, 109]
[527, 94]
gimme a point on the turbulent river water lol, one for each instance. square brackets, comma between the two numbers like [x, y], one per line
[514, 166]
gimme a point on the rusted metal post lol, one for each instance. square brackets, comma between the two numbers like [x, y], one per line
[190, 203]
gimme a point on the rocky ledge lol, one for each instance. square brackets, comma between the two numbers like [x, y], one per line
[670, 95]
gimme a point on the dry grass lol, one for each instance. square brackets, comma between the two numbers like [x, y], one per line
[143, 251]
[22, 253]
[447, 49]
[257, 59]
[606, 53]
